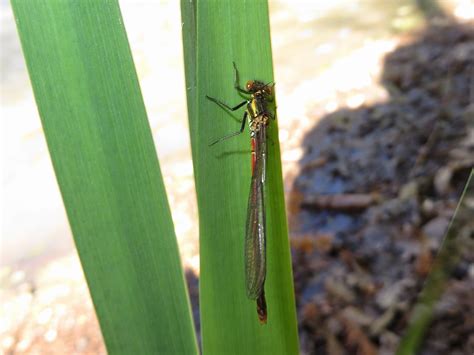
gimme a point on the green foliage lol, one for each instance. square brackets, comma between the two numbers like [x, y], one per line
[102, 150]
[216, 33]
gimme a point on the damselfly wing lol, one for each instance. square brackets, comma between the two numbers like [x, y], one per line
[255, 236]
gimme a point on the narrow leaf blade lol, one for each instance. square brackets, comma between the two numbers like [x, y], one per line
[237, 31]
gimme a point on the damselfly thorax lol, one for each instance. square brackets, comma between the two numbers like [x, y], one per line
[258, 116]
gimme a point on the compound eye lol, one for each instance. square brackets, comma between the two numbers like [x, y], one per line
[249, 85]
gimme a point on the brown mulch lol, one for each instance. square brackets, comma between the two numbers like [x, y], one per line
[402, 164]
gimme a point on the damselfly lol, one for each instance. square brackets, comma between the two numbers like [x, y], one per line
[259, 95]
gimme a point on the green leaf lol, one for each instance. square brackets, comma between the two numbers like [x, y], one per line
[189, 28]
[103, 154]
[228, 31]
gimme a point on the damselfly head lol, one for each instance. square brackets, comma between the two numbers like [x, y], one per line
[254, 86]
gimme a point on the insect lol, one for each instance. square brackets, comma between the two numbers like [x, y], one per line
[258, 98]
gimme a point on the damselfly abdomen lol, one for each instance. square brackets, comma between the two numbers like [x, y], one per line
[258, 115]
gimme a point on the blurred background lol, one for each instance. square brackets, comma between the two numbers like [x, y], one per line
[376, 112]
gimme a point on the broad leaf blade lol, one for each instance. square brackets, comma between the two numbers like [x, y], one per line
[102, 150]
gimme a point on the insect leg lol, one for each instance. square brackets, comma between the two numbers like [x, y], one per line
[236, 81]
[242, 127]
[224, 105]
